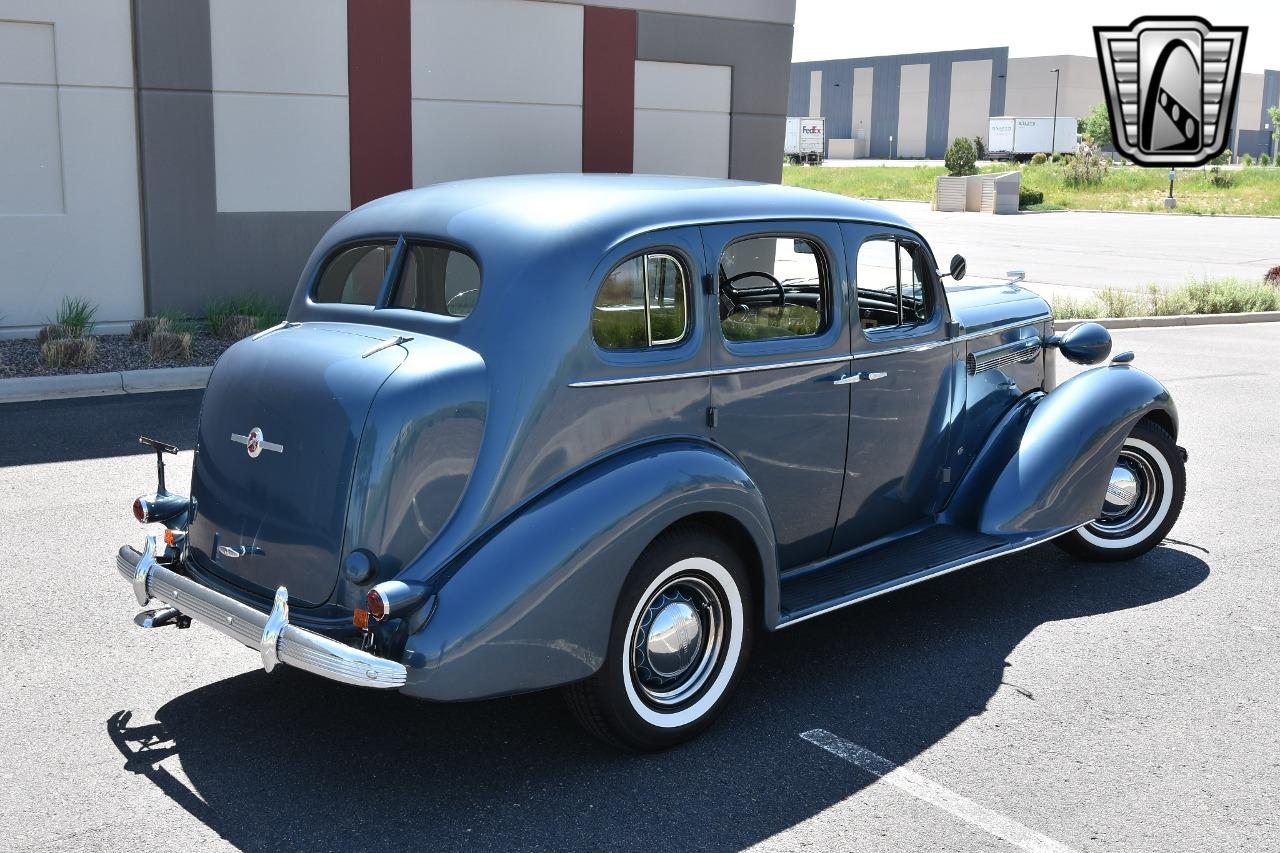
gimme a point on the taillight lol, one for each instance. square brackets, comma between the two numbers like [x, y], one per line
[377, 605]
[140, 510]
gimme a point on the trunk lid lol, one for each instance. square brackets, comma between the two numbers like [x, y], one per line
[279, 428]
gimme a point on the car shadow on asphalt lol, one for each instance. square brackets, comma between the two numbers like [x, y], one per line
[289, 759]
[95, 427]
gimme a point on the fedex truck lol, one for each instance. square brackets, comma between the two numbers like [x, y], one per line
[805, 140]
[1022, 137]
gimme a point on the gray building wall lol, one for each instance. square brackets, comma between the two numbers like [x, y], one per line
[837, 94]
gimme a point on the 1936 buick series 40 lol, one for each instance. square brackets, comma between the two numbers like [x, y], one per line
[597, 431]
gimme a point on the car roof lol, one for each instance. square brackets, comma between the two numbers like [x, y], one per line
[596, 210]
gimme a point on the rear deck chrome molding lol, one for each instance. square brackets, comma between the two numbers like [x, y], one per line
[270, 634]
[783, 365]
[912, 580]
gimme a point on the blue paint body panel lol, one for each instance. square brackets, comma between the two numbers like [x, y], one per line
[516, 470]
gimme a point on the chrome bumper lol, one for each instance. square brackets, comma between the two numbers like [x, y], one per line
[270, 633]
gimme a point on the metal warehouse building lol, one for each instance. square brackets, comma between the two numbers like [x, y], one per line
[155, 153]
[925, 100]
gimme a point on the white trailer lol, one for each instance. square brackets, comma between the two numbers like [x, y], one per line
[1022, 137]
[805, 139]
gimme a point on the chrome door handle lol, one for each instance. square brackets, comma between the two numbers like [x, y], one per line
[850, 378]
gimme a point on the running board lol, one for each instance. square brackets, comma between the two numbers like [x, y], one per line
[939, 550]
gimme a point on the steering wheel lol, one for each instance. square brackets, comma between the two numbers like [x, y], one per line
[782, 292]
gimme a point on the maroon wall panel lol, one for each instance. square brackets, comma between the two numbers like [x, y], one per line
[608, 88]
[380, 98]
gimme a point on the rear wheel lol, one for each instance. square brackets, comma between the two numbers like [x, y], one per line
[681, 635]
[1143, 499]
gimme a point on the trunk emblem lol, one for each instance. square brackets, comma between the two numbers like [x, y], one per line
[255, 442]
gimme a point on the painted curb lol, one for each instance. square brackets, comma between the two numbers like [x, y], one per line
[1175, 320]
[32, 388]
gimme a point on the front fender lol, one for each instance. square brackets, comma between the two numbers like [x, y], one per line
[532, 606]
[1047, 465]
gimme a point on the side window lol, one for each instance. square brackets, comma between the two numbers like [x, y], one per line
[642, 302]
[893, 283]
[354, 276]
[438, 280]
[773, 287]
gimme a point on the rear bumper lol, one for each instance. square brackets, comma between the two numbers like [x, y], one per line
[269, 633]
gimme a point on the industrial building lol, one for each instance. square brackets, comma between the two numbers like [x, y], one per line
[913, 105]
[156, 153]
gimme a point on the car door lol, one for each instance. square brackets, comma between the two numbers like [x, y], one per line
[903, 375]
[781, 343]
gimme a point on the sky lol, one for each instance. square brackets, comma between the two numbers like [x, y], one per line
[837, 29]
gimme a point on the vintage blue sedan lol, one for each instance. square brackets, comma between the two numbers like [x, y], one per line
[598, 431]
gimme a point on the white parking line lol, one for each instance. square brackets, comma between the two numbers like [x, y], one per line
[931, 792]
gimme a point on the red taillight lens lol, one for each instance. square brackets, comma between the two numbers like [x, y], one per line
[140, 509]
[377, 605]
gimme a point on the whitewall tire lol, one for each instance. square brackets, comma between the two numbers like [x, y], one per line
[1143, 499]
[681, 635]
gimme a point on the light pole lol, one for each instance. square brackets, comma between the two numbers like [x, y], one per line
[890, 146]
[1053, 143]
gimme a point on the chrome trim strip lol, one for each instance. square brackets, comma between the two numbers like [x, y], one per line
[718, 371]
[782, 365]
[1022, 350]
[295, 646]
[913, 580]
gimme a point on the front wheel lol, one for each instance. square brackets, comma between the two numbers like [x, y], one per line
[1143, 499]
[681, 635]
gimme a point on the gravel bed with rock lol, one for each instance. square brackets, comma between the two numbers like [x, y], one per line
[21, 356]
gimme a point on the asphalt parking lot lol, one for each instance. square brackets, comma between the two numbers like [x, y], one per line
[1083, 249]
[1031, 703]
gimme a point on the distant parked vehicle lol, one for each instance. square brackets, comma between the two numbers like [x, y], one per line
[1022, 137]
[805, 140]
[599, 431]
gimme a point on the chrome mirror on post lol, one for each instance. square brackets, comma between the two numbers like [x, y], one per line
[957, 267]
[1016, 276]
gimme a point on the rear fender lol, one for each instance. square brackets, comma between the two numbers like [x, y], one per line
[1047, 465]
[532, 605]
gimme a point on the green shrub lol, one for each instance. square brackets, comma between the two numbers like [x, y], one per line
[1027, 197]
[262, 311]
[1264, 159]
[1219, 178]
[1039, 159]
[961, 158]
[979, 148]
[76, 315]
[1222, 159]
[1246, 160]
[63, 353]
[1229, 296]
[1273, 276]
[1085, 168]
[1066, 308]
[142, 330]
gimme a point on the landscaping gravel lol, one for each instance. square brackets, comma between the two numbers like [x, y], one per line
[21, 356]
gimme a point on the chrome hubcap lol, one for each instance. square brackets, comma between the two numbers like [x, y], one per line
[1131, 495]
[677, 640]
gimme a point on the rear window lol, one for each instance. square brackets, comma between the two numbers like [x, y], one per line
[354, 276]
[435, 279]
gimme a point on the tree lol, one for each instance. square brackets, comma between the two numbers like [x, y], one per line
[1274, 112]
[961, 157]
[1097, 125]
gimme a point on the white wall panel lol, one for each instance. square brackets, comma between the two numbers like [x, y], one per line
[283, 46]
[93, 39]
[771, 11]
[515, 51]
[913, 111]
[682, 119]
[30, 150]
[683, 86]
[863, 80]
[68, 160]
[815, 93]
[281, 152]
[26, 53]
[678, 142]
[970, 99]
[462, 139]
